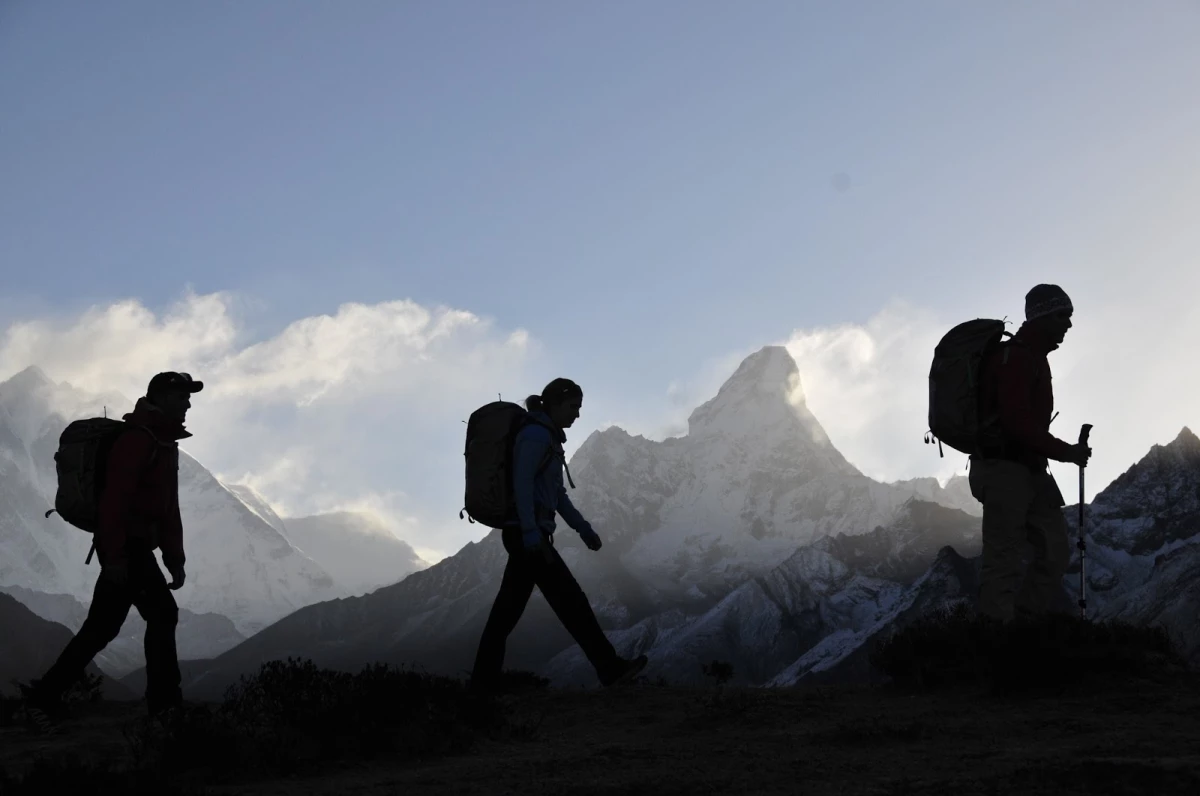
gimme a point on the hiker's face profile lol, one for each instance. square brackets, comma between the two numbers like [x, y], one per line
[1058, 324]
[175, 404]
[566, 413]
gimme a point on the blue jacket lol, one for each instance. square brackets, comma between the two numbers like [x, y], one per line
[539, 496]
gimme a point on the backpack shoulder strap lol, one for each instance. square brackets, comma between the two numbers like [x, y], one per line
[552, 452]
[1007, 345]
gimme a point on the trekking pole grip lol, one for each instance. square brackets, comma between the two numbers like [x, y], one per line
[1084, 432]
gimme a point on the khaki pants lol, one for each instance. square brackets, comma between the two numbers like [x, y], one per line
[1021, 508]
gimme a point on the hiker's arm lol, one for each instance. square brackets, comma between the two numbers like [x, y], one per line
[529, 449]
[1016, 414]
[127, 458]
[571, 514]
[172, 537]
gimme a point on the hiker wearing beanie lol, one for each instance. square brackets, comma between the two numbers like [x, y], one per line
[538, 463]
[1021, 501]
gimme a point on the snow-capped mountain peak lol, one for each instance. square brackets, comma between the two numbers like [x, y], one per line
[763, 401]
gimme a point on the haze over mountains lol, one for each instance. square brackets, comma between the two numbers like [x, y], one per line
[750, 539]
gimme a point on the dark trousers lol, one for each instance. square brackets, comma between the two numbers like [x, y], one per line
[146, 589]
[1021, 507]
[524, 571]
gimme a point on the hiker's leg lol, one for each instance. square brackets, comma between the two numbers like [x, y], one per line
[1048, 532]
[1006, 490]
[515, 589]
[106, 615]
[157, 606]
[571, 605]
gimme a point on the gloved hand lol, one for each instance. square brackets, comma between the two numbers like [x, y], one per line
[591, 539]
[178, 576]
[1080, 455]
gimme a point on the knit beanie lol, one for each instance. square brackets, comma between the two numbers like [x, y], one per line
[1046, 300]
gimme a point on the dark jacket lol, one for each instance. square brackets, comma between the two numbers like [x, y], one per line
[539, 495]
[141, 497]
[1016, 384]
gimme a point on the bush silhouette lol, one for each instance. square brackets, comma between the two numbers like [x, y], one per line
[290, 715]
[720, 671]
[955, 646]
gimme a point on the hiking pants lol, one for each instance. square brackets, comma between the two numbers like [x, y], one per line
[146, 588]
[524, 571]
[1020, 506]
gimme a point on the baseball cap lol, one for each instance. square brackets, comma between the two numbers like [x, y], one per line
[174, 381]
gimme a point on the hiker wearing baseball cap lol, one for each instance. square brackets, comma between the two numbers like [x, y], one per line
[1021, 501]
[138, 514]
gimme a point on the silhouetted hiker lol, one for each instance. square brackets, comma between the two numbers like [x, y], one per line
[138, 512]
[538, 492]
[1021, 501]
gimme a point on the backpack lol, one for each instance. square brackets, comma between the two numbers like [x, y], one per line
[491, 432]
[954, 407]
[81, 462]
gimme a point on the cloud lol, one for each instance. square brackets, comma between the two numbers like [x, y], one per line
[358, 408]
[867, 385]
[118, 347]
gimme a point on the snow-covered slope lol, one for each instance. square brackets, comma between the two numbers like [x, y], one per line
[1143, 556]
[356, 548]
[239, 566]
[838, 585]
[257, 504]
[843, 654]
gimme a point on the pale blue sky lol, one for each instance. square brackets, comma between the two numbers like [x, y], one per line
[644, 186]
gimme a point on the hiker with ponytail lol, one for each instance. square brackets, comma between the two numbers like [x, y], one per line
[537, 471]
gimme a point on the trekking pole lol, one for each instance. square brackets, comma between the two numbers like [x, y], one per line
[1081, 544]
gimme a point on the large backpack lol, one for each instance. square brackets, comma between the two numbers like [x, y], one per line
[491, 431]
[81, 463]
[954, 400]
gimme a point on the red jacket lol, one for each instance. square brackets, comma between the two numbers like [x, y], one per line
[1019, 388]
[141, 500]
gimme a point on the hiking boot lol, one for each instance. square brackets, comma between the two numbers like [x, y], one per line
[623, 671]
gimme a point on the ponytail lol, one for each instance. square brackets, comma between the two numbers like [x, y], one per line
[556, 392]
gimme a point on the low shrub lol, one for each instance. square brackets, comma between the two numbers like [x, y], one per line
[955, 646]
